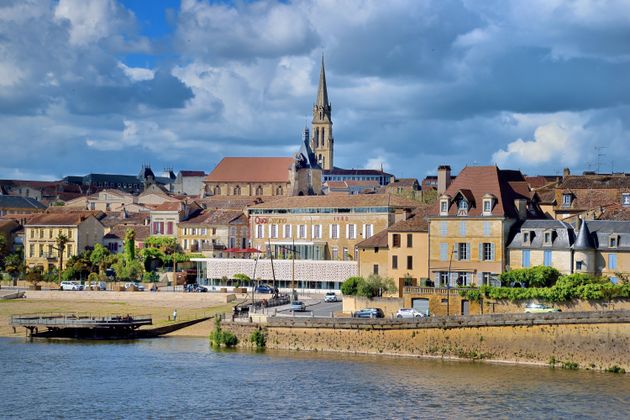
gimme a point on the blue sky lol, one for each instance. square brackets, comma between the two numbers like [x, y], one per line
[105, 86]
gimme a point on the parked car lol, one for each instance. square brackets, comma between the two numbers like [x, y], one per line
[263, 288]
[70, 285]
[195, 288]
[96, 285]
[331, 297]
[539, 308]
[369, 313]
[297, 306]
[139, 287]
[409, 313]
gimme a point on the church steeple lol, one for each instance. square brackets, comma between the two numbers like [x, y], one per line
[322, 140]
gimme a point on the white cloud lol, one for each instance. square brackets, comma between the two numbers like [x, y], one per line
[136, 73]
[89, 20]
[551, 143]
[378, 162]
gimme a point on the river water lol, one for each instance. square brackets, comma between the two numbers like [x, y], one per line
[184, 378]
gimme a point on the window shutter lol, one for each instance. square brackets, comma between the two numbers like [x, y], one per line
[481, 251]
[479, 278]
[493, 255]
[437, 279]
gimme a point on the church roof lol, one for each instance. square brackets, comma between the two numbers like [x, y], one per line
[251, 169]
[322, 91]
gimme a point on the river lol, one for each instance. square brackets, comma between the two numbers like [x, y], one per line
[184, 378]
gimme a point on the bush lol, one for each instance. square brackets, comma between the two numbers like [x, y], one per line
[150, 277]
[93, 277]
[228, 339]
[351, 285]
[219, 338]
[259, 338]
[539, 276]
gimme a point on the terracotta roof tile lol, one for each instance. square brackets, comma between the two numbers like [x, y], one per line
[616, 181]
[251, 169]
[59, 219]
[217, 217]
[339, 201]
[378, 240]
[416, 223]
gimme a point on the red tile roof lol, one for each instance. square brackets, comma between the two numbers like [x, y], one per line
[251, 169]
[378, 240]
[217, 217]
[59, 219]
[339, 201]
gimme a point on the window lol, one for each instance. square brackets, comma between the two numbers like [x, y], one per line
[287, 231]
[442, 278]
[463, 279]
[486, 228]
[566, 200]
[237, 190]
[259, 190]
[169, 228]
[462, 228]
[613, 241]
[41, 234]
[279, 190]
[50, 233]
[443, 228]
[578, 265]
[526, 237]
[486, 252]
[334, 231]
[217, 190]
[273, 231]
[335, 253]
[317, 232]
[395, 262]
[487, 206]
[625, 199]
[463, 251]
[351, 231]
[409, 240]
[547, 259]
[462, 205]
[69, 249]
[396, 240]
[547, 238]
[612, 261]
[375, 269]
[526, 258]
[409, 262]
[260, 231]
[31, 250]
[443, 251]
[356, 253]
[345, 254]
[443, 207]
[486, 279]
[302, 231]
[367, 231]
[32, 233]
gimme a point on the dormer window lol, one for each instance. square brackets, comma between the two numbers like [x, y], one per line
[613, 241]
[462, 208]
[625, 199]
[444, 207]
[566, 200]
[487, 206]
[548, 237]
[526, 237]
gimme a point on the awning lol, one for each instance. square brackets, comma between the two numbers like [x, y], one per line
[243, 250]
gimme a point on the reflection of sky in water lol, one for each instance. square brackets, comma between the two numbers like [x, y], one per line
[183, 377]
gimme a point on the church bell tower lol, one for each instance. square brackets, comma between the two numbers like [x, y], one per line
[322, 141]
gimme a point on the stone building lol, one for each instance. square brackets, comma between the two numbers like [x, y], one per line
[82, 229]
[215, 233]
[322, 140]
[189, 182]
[374, 255]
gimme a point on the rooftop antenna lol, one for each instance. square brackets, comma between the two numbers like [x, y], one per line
[600, 154]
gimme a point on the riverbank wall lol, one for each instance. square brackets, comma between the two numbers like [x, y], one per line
[586, 340]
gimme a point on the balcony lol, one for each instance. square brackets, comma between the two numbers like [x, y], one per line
[207, 247]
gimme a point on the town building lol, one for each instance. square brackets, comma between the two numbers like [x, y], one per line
[114, 240]
[470, 224]
[82, 229]
[104, 200]
[15, 205]
[323, 227]
[350, 187]
[602, 248]
[189, 183]
[165, 218]
[215, 233]
[322, 141]
[340, 174]
[9, 229]
[542, 242]
[374, 255]
[408, 245]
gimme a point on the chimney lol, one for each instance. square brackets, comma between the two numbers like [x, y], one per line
[565, 173]
[444, 178]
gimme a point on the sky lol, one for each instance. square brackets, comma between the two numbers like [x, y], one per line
[105, 86]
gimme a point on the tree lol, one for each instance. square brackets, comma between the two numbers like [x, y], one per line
[4, 249]
[130, 245]
[14, 264]
[61, 242]
[99, 257]
[167, 246]
[350, 286]
[376, 285]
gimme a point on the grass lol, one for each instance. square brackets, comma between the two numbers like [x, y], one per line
[160, 311]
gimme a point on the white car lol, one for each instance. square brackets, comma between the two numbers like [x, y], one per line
[330, 297]
[139, 287]
[70, 285]
[409, 313]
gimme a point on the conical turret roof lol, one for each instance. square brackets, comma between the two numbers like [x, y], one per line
[584, 240]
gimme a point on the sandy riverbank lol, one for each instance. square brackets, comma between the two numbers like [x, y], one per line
[159, 305]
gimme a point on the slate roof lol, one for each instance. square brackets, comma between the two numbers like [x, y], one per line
[251, 169]
[600, 231]
[341, 171]
[16, 202]
[378, 240]
[192, 173]
[563, 239]
[217, 217]
[616, 181]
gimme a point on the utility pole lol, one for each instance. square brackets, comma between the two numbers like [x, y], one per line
[600, 154]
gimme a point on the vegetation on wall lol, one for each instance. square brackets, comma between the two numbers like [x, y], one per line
[219, 337]
[563, 288]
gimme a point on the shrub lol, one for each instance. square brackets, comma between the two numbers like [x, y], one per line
[539, 276]
[351, 285]
[150, 277]
[228, 339]
[93, 277]
[259, 338]
[219, 338]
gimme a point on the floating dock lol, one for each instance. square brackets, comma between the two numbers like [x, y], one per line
[90, 327]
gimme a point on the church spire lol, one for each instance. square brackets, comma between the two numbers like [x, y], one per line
[322, 91]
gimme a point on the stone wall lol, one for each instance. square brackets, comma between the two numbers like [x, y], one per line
[596, 340]
[389, 305]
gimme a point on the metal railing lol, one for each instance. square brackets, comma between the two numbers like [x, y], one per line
[79, 320]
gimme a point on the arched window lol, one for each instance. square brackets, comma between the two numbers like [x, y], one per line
[237, 190]
[259, 190]
[316, 137]
[217, 190]
[279, 190]
[322, 136]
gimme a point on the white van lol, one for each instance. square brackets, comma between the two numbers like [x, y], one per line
[70, 285]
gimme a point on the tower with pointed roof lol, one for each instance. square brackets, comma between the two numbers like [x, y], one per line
[584, 250]
[322, 141]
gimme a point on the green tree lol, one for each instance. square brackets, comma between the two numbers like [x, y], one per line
[351, 285]
[130, 245]
[14, 264]
[61, 242]
[99, 257]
